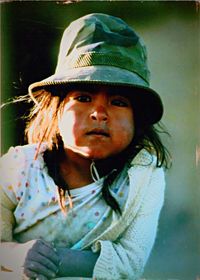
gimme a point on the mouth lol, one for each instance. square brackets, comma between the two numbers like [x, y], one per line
[98, 132]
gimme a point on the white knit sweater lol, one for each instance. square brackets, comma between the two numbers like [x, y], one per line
[126, 243]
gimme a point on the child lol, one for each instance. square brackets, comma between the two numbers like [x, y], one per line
[83, 198]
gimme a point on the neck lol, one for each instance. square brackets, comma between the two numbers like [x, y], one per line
[75, 170]
[105, 166]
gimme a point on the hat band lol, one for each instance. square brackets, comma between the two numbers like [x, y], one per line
[93, 59]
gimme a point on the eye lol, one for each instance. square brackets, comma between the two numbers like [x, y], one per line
[83, 98]
[120, 102]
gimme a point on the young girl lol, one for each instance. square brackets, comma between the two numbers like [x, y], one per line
[83, 198]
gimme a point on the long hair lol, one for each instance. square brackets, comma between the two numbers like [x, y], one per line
[42, 126]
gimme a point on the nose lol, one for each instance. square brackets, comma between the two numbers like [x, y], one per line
[99, 114]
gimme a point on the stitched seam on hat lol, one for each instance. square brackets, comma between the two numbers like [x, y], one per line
[92, 59]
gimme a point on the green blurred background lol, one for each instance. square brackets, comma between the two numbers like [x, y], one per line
[30, 37]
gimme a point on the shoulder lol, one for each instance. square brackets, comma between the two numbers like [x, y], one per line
[22, 153]
[19, 160]
[17, 166]
[146, 163]
[144, 158]
[145, 176]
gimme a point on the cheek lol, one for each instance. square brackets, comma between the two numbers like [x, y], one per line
[125, 136]
[67, 126]
[124, 129]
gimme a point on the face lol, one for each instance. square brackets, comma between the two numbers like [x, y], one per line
[96, 124]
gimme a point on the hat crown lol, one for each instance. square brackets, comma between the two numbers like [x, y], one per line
[103, 49]
[100, 39]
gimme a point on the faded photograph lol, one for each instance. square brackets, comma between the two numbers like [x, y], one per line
[100, 140]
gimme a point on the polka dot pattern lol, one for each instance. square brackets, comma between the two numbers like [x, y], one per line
[38, 213]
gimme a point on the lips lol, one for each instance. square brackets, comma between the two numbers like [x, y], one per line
[100, 132]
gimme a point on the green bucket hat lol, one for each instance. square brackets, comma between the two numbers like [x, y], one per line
[103, 49]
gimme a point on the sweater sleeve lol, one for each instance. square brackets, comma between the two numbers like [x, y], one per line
[7, 220]
[126, 257]
[11, 165]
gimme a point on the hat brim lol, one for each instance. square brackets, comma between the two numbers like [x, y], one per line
[147, 102]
